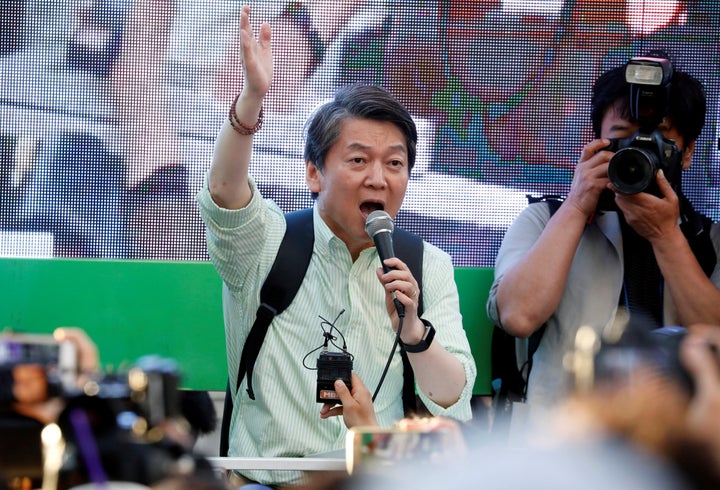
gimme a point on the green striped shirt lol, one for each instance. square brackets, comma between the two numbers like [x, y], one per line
[284, 420]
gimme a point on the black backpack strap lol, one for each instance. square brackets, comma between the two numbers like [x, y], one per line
[409, 248]
[225, 422]
[280, 287]
[553, 201]
[278, 291]
[703, 247]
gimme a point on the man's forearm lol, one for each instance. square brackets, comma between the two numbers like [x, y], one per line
[696, 297]
[531, 289]
[440, 375]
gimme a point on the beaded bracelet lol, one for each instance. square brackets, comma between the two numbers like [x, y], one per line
[239, 126]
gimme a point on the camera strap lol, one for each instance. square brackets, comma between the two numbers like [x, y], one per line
[643, 283]
[280, 288]
[696, 228]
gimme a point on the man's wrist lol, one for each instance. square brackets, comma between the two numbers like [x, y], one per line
[425, 341]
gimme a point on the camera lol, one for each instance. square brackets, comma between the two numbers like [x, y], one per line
[119, 415]
[658, 348]
[332, 366]
[633, 167]
[637, 159]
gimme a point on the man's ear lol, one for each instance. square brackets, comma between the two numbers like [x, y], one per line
[687, 155]
[312, 176]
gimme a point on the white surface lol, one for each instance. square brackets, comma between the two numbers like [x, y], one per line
[301, 464]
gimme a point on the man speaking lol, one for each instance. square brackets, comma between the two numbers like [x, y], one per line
[359, 152]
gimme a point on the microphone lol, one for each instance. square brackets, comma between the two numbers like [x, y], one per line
[379, 226]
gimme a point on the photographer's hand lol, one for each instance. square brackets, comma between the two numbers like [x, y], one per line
[357, 407]
[652, 217]
[700, 354]
[88, 357]
[532, 287]
[590, 177]
[657, 219]
[31, 386]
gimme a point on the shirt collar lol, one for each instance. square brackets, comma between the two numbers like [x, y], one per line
[326, 242]
[324, 237]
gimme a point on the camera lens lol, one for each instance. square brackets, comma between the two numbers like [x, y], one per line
[632, 170]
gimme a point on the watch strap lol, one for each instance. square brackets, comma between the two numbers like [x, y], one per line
[427, 339]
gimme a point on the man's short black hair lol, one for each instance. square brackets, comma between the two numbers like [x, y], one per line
[356, 101]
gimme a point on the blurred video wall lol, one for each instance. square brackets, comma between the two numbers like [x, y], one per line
[109, 108]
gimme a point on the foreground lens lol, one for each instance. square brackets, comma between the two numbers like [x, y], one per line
[632, 170]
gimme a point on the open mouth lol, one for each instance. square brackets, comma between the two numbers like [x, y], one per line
[368, 207]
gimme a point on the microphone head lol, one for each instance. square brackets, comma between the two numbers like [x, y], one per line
[378, 221]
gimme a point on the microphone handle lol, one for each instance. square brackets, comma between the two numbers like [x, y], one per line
[384, 245]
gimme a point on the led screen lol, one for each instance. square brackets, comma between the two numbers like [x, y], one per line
[109, 108]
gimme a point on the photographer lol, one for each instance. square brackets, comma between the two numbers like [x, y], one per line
[35, 371]
[606, 257]
[138, 424]
[26, 387]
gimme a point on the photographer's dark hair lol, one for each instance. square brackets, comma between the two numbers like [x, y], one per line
[361, 102]
[686, 105]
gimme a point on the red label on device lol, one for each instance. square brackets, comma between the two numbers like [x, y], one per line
[328, 395]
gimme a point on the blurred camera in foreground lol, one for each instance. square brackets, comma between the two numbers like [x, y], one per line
[112, 426]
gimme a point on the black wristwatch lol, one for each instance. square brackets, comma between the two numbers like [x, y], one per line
[427, 339]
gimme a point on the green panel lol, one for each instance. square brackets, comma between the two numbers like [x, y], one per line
[130, 309]
[172, 309]
[473, 288]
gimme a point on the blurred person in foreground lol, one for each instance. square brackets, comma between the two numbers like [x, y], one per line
[612, 253]
[113, 427]
[359, 152]
[646, 424]
[27, 387]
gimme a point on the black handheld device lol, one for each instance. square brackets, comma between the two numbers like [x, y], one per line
[330, 367]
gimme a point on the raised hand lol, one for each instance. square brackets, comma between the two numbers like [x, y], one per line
[256, 56]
